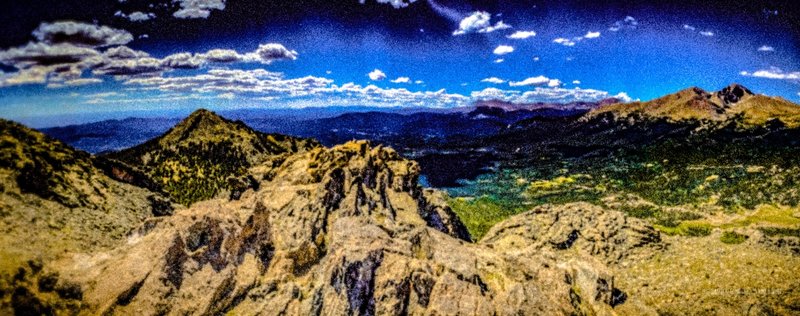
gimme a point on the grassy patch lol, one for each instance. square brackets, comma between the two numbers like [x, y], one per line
[480, 214]
[689, 229]
[732, 238]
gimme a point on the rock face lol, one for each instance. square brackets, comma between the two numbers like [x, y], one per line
[341, 231]
[589, 229]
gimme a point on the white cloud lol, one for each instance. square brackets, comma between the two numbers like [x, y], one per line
[479, 22]
[42, 54]
[547, 95]
[401, 80]
[397, 4]
[136, 16]
[266, 53]
[503, 49]
[75, 82]
[576, 82]
[773, 73]
[227, 96]
[521, 35]
[554, 83]
[197, 9]
[494, 80]
[419, 82]
[766, 48]
[532, 81]
[571, 42]
[81, 34]
[707, 33]
[536, 58]
[628, 22]
[592, 35]
[498, 61]
[564, 41]
[689, 27]
[376, 75]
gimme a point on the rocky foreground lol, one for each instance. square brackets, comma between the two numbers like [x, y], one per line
[345, 230]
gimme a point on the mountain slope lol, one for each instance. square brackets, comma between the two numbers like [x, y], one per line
[54, 198]
[348, 231]
[206, 154]
[695, 104]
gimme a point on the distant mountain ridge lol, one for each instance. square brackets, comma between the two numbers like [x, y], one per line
[734, 102]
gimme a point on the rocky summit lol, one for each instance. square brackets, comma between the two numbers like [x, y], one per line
[340, 231]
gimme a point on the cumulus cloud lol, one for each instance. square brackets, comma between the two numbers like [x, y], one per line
[260, 84]
[547, 95]
[499, 60]
[41, 62]
[479, 22]
[267, 53]
[503, 49]
[81, 34]
[124, 52]
[182, 61]
[197, 9]
[628, 22]
[397, 4]
[536, 81]
[402, 80]
[74, 83]
[707, 33]
[136, 16]
[576, 82]
[773, 73]
[564, 41]
[592, 35]
[521, 35]
[376, 75]
[494, 80]
[42, 54]
[766, 48]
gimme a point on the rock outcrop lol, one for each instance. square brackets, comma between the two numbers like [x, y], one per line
[339, 231]
[591, 230]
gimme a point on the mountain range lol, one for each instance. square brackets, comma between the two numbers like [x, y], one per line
[589, 208]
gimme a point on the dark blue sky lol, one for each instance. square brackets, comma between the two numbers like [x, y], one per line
[344, 53]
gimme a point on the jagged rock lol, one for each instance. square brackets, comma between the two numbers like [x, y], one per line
[733, 93]
[334, 231]
[590, 229]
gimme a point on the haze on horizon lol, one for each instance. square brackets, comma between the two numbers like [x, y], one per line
[138, 56]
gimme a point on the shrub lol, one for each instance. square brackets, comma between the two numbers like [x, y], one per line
[732, 238]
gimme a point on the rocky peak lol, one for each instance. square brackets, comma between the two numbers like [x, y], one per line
[206, 154]
[733, 93]
[342, 231]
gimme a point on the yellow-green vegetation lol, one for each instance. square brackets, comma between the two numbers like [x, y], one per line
[730, 237]
[697, 276]
[689, 229]
[206, 154]
[480, 214]
[768, 214]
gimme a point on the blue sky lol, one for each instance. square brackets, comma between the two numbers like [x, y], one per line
[322, 54]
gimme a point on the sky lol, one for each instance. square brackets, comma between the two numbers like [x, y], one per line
[117, 57]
